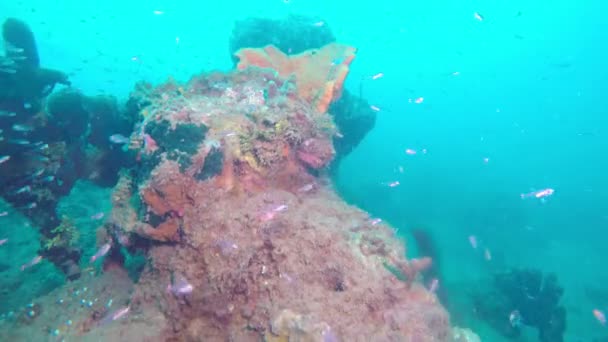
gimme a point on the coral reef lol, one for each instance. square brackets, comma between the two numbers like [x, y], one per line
[319, 74]
[245, 230]
[534, 295]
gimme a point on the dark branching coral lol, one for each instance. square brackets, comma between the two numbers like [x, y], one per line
[535, 295]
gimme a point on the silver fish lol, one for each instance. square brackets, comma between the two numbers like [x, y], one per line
[19, 141]
[102, 251]
[119, 139]
[8, 70]
[119, 313]
[22, 128]
[4, 113]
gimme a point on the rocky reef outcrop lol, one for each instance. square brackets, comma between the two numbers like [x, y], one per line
[231, 198]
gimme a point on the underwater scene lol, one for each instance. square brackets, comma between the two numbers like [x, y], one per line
[293, 170]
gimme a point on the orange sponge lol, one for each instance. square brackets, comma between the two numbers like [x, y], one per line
[319, 73]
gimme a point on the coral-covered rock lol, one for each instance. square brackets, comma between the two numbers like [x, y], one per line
[245, 217]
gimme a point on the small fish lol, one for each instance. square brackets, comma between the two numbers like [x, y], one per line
[4, 113]
[31, 205]
[7, 62]
[97, 216]
[538, 194]
[515, 318]
[38, 173]
[158, 12]
[600, 316]
[269, 215]
[19, 58]
[375, 221]
[410, 151]
[36, 260]
[23, 189]
[4, 159]
[12, 48]
[180, 287]
[4, 213]
[456, 73]
[393, 184]
[318, 24]
[374, 108]
[8, 70]
[487, 255]
[419, 100]
[306, 188]
[486, 160]
[478, 16]
[102, 251]
[377, 76]
[473, 241]
[119, 139]
[19, 141]
[42, 159]
[3, 241]
[118, 314]
[48, 178]
[434, 285]
[22, 128]
[280, 208]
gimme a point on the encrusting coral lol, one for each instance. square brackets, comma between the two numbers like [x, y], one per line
[319, 73]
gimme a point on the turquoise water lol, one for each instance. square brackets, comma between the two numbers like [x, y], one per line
[511, 103]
